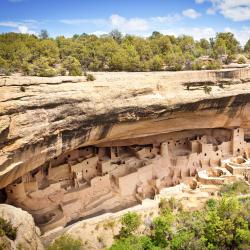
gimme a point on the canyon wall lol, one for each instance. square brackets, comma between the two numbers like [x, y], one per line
[41, 118]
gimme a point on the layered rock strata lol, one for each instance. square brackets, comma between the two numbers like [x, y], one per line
[65, 137]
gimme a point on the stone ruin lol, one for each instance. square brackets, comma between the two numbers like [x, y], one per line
[96, 179]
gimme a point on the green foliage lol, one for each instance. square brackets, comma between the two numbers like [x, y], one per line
[66, 242]
[241, 60]
[4, 67]
[211, 204]
[134, 243]
[44, 34]
[73, 66]
[162, 229]
[130, 223]
[222, 224]
[236, 188]
[22, 88]
[225, 44]
[41, 68]
[112, 52]
[6, 229]
[182, 240]
[214, 65]
[156, 63]
[90, 77]
[171, 204]
[247, 46]
[116, 35]
[207, 89]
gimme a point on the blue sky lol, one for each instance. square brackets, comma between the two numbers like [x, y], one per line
[199, 18]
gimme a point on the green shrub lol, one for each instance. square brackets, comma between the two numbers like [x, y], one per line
[182, 240]
[22, 88]
[207, 89]
[130, 223]
[156, 63]
[42, 68]
[26, 69]
[66, 242]
[73, 66]
[4, 67]
[241, 60]
[211, 203]
[90, 77]
[62, 71]
[214, 65]
[236, 188]
[170, 204]
[6, 229]
[134, 243]
[197, 65]
[162, 229]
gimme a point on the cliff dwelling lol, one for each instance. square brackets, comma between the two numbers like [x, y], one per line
[71, 150]
[91, 180]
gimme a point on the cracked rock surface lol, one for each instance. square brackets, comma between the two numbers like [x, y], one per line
[40, 118]
[28, 235]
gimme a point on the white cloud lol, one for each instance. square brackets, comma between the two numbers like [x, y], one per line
[9, 24]
[20, 27]
[196, 32]
[130, 24]
[133, 25]
[199, 1]
[211, 11]
[166, 19]
[191, 13]
[242, 35]
[236, 10]
[99, 32]
[23, 29]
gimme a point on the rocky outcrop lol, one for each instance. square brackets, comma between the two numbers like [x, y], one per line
[41, 118]
[27, 233]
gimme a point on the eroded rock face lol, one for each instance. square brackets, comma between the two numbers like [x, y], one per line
[159, 127]
[27, 233]
[56, 115]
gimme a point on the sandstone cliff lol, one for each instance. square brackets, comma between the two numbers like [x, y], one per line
[28, 235]
[40, 118]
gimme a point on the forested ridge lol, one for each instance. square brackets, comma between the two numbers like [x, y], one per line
[45, 56]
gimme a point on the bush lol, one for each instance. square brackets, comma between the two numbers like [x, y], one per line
[222, 224]
[207, 89]
[90, 77]
[66, 242]
[41, 68]
[197, 66]
[156, 63]
[134, 243]
[6, 229]
[162, 229]
[170, 204]
[182, 240]
[26, 69]
[62, 71]
[241, 60]
[4, 67]
[130, 223]
[73, 66]
[236, 188]
[214, 65]
[22, 88]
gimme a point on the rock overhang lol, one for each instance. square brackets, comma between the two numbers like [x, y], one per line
[56, 115]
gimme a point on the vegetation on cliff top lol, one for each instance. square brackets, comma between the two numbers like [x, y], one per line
[44, 56]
